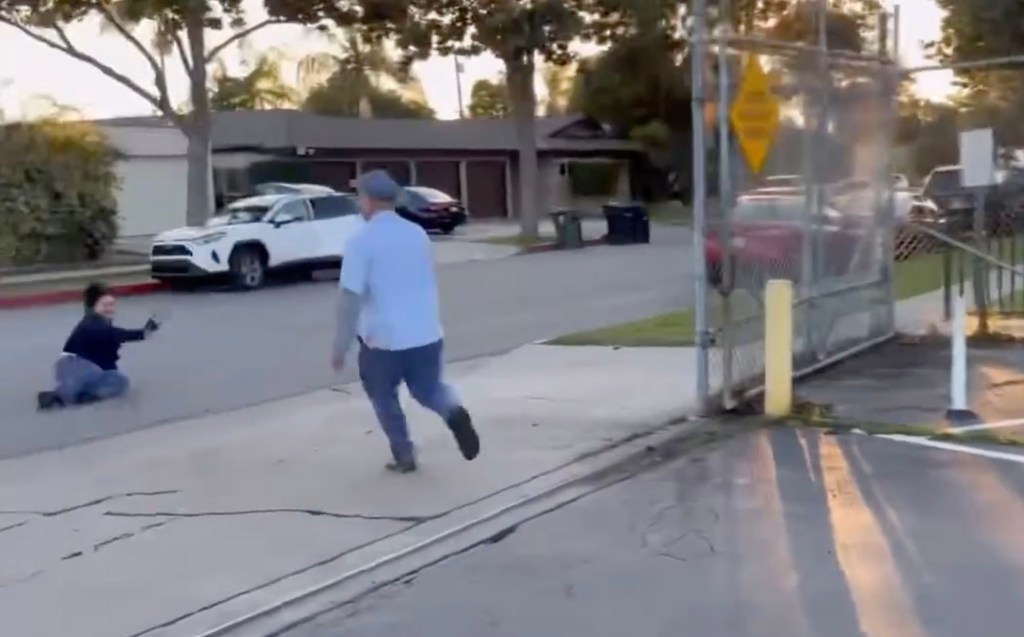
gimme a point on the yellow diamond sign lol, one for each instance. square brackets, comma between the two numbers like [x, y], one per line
[755, 114]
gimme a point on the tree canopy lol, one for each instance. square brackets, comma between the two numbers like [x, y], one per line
[976, 31]
[489, 100]
[260, 86]
[182, 28]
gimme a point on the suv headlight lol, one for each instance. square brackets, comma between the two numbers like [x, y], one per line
[209, 238]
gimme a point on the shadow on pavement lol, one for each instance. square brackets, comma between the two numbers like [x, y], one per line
[778, 532]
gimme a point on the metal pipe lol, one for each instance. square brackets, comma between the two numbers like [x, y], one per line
[702, 334]
[962, 66]
[725, 212]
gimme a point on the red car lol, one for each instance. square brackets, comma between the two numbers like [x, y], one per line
[768, 238]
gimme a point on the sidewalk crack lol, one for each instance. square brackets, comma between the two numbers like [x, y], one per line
[90, 503]
[11, 527]
[410, 519]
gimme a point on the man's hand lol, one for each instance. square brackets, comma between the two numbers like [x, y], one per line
[151, 326]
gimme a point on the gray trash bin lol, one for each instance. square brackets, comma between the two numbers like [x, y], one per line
[568, 229]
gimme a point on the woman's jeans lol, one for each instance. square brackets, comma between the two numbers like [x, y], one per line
[82, 381]
[420, 368]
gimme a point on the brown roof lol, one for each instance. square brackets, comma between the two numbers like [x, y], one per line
[287, 129]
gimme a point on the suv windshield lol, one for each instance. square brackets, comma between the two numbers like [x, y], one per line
[943, 182]
[233, 215]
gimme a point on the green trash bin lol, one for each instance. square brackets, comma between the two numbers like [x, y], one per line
[568, 229]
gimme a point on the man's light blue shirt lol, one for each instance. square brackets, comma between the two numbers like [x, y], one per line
[389, 263]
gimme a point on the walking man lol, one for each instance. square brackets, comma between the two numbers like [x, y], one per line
[388, 299]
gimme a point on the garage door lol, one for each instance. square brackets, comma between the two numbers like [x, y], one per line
[336, 174]
[486, 188]
[399, 170]
[442, 175]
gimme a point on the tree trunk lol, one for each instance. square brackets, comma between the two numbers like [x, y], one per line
[519, 78]
[198, 128]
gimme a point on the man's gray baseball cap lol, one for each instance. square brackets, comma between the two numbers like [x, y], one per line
[378, 184]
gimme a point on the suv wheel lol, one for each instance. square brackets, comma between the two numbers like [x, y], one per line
[248, 268]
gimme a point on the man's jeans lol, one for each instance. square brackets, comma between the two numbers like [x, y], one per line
[382, 371]
[81, 381]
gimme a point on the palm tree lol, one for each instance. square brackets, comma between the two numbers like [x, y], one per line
[360, 72]
[260, 86]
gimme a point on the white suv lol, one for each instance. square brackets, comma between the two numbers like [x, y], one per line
[253, 236]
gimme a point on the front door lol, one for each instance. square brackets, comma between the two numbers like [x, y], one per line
[292, 239]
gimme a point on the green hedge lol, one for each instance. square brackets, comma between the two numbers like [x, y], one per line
[57, 193]
[594, 178]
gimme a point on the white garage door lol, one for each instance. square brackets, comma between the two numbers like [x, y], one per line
[153, 194]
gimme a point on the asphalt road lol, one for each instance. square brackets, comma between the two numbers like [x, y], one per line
[777, 532]
[222, 350]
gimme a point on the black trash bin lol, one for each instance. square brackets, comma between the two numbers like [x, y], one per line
[568, 229]
[627, 223]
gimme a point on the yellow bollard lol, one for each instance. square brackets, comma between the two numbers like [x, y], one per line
[778, 348]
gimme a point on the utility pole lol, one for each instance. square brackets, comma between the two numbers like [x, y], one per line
[458, 84]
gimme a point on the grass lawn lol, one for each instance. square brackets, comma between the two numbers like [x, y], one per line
[912, 277]
[518, 240]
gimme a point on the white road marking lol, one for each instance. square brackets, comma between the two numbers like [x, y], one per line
[949, 446]
[1002, 424]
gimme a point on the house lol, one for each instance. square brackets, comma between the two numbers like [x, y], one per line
[475, 159]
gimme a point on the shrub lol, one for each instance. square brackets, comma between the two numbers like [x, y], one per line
[57, 192]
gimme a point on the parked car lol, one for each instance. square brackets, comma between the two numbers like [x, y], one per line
[767, 240]
[432, 209]
[254, 236]
[282, 188]
[1004, 201]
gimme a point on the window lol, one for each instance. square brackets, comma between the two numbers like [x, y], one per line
[943, 181]
[430, 194]
[296, 208]
[409, 200]
[333, 207]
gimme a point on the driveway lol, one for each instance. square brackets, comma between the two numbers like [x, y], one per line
[221, 351]
[776, 532]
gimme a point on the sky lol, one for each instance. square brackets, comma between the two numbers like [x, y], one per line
[30, 72]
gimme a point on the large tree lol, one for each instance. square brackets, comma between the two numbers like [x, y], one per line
[974, 31]
[517, 32]
[188, 26]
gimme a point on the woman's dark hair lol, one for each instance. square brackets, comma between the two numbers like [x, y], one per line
[93, 293]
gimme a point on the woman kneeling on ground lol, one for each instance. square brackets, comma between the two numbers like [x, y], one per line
[86, 371]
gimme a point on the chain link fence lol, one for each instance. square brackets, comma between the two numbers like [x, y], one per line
[802, 153]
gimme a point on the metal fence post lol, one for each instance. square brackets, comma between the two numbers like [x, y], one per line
[725, 205]
[698, 44]
[980, 268]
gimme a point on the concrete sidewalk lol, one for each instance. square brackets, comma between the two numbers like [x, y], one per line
[171, 520]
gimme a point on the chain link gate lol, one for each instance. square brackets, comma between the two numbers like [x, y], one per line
[800, 144]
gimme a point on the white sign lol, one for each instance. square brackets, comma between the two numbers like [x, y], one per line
[977, 158]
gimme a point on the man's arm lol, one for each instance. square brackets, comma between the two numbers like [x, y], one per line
[346, 322]
[351, 289]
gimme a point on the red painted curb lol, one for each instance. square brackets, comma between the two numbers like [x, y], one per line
[36, 299]
[550, 247]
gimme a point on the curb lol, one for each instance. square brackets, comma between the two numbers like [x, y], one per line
[551, 247]
[54, 297]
